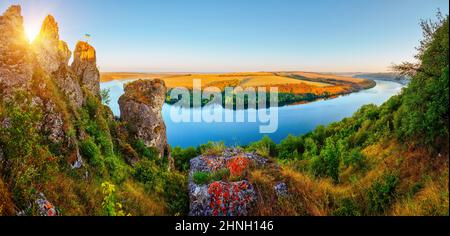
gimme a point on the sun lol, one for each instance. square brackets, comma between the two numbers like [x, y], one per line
[31, 32]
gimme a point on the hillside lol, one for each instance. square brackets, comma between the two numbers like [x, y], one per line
[387, 160]
[61, 151]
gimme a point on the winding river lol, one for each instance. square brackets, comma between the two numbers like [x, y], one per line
[295, 119]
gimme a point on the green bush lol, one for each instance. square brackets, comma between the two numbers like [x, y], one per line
[144, 151]
[182, 157]
[382, 193]
[146, 171]
[175, 194]
[290, 148]
[201, 178]
[265, 147]
[355, 159]
[347, 207]
[117, 168]
[212, 148]
[423, 115]
[91, 151]
[327, 163]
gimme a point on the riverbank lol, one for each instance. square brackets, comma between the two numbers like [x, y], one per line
[293, 87]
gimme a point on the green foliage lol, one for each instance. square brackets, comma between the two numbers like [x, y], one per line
[175, 194]
[423, 116]
[146, 171]
[144, 151]
[118, 170]
[212, 148]
[170, 185]
[347, 207]
[201, 178]
[355, 159]
[220, 175]
[327, 163]
[105, 95]
[265, 147]
[29, 162]
[382, 193]
[91, 151]
[92, 105]
[110, 206]
[182, 157]
[290, 148]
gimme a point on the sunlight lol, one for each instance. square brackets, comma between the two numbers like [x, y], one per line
[31, 31]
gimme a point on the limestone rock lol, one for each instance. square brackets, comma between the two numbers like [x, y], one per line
[50, 51]
[68, 83]
[141, 110]
[15, 62]
[84, 66]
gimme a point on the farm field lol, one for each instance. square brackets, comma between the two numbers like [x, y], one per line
[287, 82]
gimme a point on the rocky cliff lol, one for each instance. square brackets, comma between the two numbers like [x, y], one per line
[56, 136]
[15, 60]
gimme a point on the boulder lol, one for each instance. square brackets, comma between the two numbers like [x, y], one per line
[222, 198]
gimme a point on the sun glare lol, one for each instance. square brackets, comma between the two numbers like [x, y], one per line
[31, 31]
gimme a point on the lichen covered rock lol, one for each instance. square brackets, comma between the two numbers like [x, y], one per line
[141, 110]
[224, 197]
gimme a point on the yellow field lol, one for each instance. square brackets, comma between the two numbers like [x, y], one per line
[291, 82]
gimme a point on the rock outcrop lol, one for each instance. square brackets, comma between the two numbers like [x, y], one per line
[15, 60]
[53, 55]
[84, 66]
[141, 110]
[223, 197]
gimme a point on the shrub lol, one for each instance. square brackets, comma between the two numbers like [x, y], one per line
[327, 163]
[265, 147]
[146, 171]
[355, 159]
[201, 178]
[382, 193]
[347, 207]
[290, 148]
[144, 151]
[117, 168]
[175, 194]
[182, 157]
[109, 204]
[105, 95]
[212, 148]
[220, 175]
[91, 151]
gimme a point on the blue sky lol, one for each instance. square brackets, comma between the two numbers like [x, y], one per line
[244, 35]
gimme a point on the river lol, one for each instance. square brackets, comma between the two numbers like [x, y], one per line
[294, 119]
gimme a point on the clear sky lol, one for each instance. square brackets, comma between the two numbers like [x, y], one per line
[239, 35]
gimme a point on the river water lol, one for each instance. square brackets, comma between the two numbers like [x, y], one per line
[294, 119]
